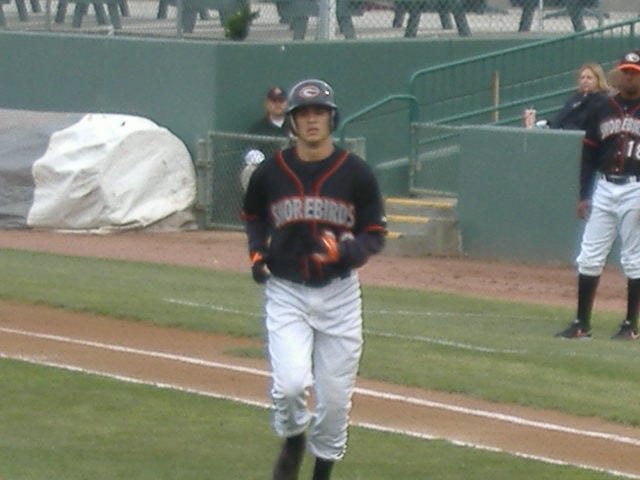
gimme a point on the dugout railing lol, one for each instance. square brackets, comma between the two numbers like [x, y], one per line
[495, 88]
[489, 89]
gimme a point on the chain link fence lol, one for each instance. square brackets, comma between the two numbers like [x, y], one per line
[222, 170]
[310, 20]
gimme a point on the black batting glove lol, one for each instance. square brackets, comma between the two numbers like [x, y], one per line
[259, 268]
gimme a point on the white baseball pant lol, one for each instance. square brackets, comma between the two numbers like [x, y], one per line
[615, 211]
[315, 340]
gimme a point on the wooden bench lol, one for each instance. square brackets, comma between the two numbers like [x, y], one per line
[22, 10]
[163, 7]
[445, 9]
[296, 13]
[575, 9]
[116, 8]
[191, 9]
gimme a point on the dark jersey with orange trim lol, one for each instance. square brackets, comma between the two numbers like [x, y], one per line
[611, 142]
[289, 203]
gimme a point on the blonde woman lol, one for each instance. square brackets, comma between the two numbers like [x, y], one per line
[592, 88]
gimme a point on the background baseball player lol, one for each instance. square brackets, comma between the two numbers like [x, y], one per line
[610, 199]
[313, 215]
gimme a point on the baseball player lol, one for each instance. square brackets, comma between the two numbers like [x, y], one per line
[610, 199]
[313, 215]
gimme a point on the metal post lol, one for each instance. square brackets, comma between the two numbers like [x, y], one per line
[48, 15]
[540, 16]
[326, 20]
[179, 11]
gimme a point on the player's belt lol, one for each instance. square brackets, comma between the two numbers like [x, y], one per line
[326, 281]
[620, 179]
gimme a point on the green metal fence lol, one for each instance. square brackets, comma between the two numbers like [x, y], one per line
[219, 166]
[489, 89]
[497, 87]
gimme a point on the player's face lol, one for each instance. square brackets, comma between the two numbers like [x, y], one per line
[313, 124]
[629, 84]
[587, 81]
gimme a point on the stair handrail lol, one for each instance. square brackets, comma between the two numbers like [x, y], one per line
[412, 109]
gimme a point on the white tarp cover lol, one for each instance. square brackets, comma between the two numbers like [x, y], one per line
[108, 172]
[24, 137]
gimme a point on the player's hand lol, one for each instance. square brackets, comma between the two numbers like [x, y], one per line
[259, 268]
[328, 248]
[584, 208]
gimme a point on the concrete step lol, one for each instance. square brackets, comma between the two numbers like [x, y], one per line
[422, 227]
[426, 207]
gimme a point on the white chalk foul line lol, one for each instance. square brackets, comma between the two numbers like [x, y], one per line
[439, 341]
[208, 306]
[137, 351]
[366, 425]
[414, 338]
[362, 391]
[498, 416]
[368, 311]
[528, 456]
[125, 378]
[358, 390]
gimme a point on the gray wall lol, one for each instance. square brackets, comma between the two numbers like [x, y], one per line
[192, 87]
[516, 200]
[518, 192]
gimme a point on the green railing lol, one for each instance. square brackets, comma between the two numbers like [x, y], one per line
[412, 110]
[494, 88]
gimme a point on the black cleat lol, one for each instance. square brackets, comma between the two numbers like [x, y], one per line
[576, 330]
[626, 332]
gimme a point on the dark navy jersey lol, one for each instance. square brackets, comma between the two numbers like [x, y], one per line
[611, 142]
[289, 203]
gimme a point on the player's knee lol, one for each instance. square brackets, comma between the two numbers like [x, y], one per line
[291, 382]
[292, 387]
[630, 266]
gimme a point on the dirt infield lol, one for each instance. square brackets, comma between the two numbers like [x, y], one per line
[197, 361]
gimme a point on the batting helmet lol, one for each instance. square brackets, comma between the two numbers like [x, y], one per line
[313, 92]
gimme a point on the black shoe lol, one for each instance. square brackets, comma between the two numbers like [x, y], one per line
[576, 330]
[626, 332]
[288, 464]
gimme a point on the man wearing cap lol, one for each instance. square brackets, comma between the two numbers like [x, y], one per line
[274, 122]
[610, 199]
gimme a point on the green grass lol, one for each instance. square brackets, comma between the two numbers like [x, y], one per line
[495, 350]
[138, 291]
[66, 425]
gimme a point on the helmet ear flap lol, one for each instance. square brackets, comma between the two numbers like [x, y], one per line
[335, 119]
[292, 123]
